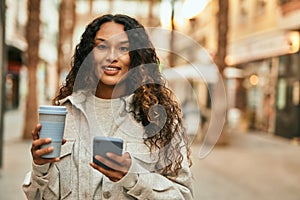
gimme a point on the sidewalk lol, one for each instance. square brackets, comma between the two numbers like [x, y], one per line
[251, 166]
[16, 157]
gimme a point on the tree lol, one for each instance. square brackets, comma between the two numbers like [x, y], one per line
[171, 55]
[33, 38]
[219, 58]
[65, 35]
[222, 27]
[151, 19]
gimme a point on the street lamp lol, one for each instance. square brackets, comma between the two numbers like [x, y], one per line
[173, 11]
[165, 14]
[191, 8]
[182, 11]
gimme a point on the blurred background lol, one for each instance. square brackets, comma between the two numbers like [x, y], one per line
[251, 45]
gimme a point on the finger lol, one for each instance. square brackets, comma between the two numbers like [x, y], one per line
[111, 174]
[99, 168]
[94, 165]
[42, 161]
[35, 132]
[40, 152]
[44, 151]
[63, 141]
[112, 164]
[117, 157]
[124, 160]
[36, 144]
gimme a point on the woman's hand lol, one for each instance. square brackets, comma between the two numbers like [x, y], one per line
[119, 166]
[36, 150]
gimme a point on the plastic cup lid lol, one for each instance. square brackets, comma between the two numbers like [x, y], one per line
[53, 110]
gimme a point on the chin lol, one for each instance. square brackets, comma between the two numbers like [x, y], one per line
[108, 82]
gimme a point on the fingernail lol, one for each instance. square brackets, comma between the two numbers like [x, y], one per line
[48, 139]
[50, 148]
[98, 157]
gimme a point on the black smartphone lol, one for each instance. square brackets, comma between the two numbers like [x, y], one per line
[102, 145]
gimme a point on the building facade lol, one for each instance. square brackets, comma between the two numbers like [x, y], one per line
[263, 50]
[16, 69]
[263, 44]
[16, 45]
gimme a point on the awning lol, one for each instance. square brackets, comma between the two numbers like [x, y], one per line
[195, 71]
[263, 45]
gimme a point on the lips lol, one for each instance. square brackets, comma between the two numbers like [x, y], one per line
[111, 69]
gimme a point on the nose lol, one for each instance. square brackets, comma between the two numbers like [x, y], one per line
[111, 55]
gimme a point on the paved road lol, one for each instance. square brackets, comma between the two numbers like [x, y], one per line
[252, 166]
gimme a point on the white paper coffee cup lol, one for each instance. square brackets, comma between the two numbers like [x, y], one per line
[52, 119]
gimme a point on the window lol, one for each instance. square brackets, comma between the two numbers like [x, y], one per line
[243, 11]
[260, 7]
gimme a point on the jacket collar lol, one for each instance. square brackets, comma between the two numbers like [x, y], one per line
[77, 99]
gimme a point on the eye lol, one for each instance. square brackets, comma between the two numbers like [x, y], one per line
[102, 47]
[124, 48]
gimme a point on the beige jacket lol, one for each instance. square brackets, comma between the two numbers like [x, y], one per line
[73, 178]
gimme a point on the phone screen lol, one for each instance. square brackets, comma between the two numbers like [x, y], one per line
[102, 145]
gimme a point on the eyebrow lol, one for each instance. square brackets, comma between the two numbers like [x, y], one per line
[104, 40]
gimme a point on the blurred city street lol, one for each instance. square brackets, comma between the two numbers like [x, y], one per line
[233, 60]
[251, 166]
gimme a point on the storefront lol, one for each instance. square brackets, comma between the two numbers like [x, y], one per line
[14, 64]
[271, 68]
[287, 98]
[192, 85]
[259, 84]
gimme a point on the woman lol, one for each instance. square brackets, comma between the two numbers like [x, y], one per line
[115, 89]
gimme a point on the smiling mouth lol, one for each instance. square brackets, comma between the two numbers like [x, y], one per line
[111, 68]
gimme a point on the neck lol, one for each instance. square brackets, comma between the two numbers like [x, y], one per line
[110, 92]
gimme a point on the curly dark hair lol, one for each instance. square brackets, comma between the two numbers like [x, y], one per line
[148, 86]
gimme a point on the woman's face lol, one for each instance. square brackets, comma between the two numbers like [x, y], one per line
[111, 54]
